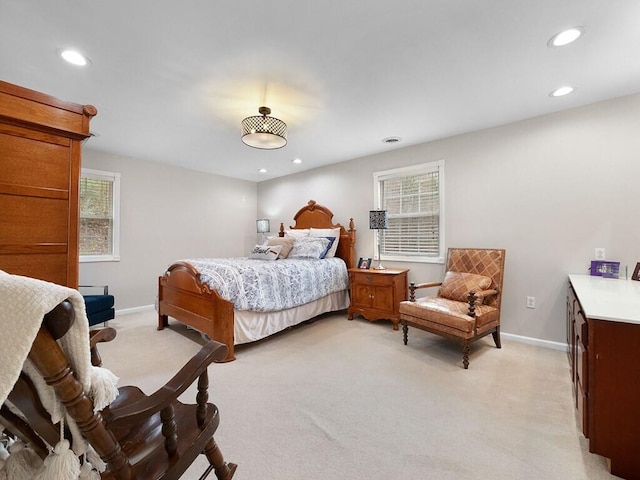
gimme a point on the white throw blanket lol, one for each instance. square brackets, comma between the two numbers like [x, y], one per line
[23, 303]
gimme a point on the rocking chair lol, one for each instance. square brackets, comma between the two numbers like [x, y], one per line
[137, 436]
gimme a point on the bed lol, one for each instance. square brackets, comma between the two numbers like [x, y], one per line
[185, 293]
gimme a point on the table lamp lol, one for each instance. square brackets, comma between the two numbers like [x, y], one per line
[378, 221]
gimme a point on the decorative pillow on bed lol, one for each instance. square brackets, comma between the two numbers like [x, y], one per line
[265, 252]
[309, 247]
[297, 232]
[327, 232]
[286, 244]
[332, 240]
[457, 285]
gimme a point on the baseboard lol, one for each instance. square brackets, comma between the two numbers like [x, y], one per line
[535, 341]
[516, 338]
[143, 308]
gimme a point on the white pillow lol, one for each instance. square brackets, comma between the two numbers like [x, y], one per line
[308, 247]
[297, 233]
[327, 232]
[265, 252]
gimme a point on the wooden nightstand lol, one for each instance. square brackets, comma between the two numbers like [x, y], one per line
[376, 294]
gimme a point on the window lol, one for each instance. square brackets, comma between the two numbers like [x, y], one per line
[414, 200]
[99, 216]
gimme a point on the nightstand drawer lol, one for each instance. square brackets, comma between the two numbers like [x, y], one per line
[369, 278]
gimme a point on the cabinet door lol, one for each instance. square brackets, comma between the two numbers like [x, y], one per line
[614, 390]
[581, 367]
[570, 332]
[38, 225]
[383, 299]
[361, 295]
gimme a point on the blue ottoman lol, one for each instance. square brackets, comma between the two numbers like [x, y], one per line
[99, 308]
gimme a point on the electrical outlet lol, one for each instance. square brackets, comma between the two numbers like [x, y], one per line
[600, 255]
[531, 302]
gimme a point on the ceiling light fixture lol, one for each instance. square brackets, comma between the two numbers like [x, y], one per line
[297, 161]
[74, 57]
[562, 91]
[262, 131]
[565, 37]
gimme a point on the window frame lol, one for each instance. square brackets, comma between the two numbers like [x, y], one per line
[414, 170]
[114, 178]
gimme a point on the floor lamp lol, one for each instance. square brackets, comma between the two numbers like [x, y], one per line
[378, 221]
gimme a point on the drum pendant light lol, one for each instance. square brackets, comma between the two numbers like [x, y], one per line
[264, 132]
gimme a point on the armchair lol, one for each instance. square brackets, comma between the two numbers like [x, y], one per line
[138, 436]
[467, 305]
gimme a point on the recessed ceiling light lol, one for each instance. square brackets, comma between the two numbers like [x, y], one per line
[262, 170]
[565, 37]
[391, 140]
[297, 161]
[562, 91]
[74, 57]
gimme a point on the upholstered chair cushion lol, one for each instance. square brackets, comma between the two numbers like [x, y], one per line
[457, 285]
[451, 316]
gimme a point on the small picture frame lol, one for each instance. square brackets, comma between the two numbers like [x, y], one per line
[604, 268]
[636, 272]
[364, 263]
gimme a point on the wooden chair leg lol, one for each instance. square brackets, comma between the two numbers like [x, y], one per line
[465, 353]
[405, 333]
[224, 470]
[496, 337]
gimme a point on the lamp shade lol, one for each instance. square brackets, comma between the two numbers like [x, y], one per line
[378, 219]
[263, 225]
[262, 131]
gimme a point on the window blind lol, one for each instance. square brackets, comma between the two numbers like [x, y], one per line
[96, 216]
[413, 201]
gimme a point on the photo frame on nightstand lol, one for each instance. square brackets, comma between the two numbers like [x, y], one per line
[636, 272]
[364, 263]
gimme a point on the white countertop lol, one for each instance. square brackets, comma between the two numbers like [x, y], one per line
[608, 298]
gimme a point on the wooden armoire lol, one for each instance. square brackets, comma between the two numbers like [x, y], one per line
[40, 152]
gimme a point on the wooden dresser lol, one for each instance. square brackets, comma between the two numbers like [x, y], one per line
[40, 150]
[376, 294]
[603, 334]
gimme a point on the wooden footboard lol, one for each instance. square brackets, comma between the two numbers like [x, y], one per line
[183, 296]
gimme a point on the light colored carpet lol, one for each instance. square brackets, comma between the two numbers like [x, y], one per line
[346, 399]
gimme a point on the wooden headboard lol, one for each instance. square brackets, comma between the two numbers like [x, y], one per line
[319, 216]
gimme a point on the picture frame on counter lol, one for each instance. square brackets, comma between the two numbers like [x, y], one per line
[636, 272]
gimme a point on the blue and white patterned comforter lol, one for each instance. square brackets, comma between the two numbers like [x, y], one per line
[266, 286]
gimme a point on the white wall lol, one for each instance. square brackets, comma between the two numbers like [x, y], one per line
[548, 189]
[168, 213]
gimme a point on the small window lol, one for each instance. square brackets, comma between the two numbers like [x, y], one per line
[99, 216]
[414, 200]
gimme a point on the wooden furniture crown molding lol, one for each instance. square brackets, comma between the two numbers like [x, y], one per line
[31, 109]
